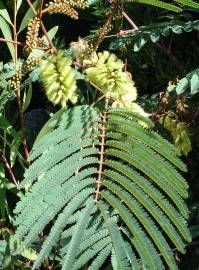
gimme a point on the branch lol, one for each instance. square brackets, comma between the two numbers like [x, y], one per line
[129, 20]
[20, 43]
[42, 25]
[31, 6]
[121, 33]
[41, 8]
[45, 10]
[12, 41]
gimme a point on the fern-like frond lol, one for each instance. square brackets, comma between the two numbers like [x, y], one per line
[151, 139]
[129, 115]
[6, 92]
[188, 3]
[146, 222]
[77, 236]
[153, 193]
[116, 238]
[57, 228]
[131, 256]
[170, 173]
[147, 203]
[102, 185]
[165, 5]
[153, 33]
[100, 259]
[144, 246]
[91, 252]
[157, 3]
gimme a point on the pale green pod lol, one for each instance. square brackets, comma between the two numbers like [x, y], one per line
[65, 70]
[105, 71]
[59, 79]
[69, 79]
[53, 86]
[51, 79]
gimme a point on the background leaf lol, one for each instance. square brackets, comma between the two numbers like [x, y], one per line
[19, 2]
[27, 97]
[5, 28]
[194, 84]
[28, 16]
[4, 12]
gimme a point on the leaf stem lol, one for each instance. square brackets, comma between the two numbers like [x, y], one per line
[98, 100]
[18, 94]
[11, 41]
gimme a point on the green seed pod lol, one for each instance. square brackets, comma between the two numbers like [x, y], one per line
[59, 79]
[106, 71]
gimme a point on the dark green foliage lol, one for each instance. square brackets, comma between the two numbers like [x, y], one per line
[163, 4]
[153, 33]
[140, 217]
[6, 93]
[141, 193]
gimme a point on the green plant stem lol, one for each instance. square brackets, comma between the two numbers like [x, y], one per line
[8, 168]
[98, 100]
[15, 31]
[24, 141]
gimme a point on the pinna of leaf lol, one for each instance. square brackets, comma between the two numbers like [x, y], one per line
[140, 210]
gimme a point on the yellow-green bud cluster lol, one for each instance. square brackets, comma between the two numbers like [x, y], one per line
[16, 80]
[66, 7]
[178, 132]
[32, 34]
[105, 70]
[29, 64]
[77, 3]
[59, 79]
[41, 43]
